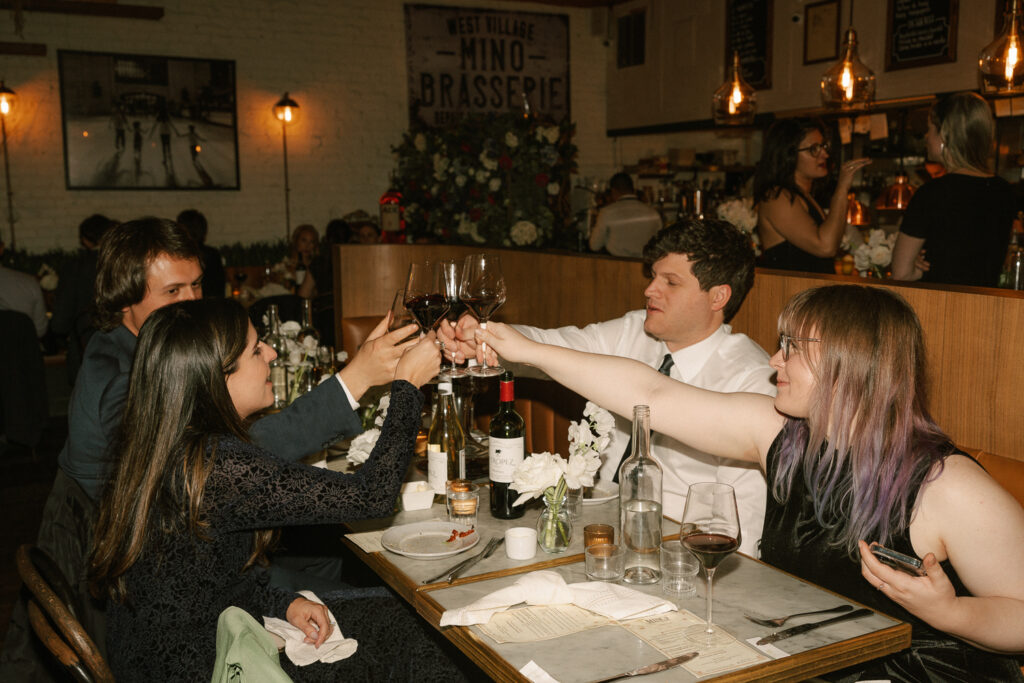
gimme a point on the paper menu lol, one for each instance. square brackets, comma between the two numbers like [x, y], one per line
[666, 633]
[542, 622]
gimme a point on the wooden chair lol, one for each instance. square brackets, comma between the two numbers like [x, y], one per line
[58, 628]
[354, 332]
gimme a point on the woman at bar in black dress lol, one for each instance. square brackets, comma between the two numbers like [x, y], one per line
[795, 233]
[192, 504]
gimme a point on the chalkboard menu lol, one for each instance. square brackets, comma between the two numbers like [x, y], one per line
[920, 32]
[748, 30]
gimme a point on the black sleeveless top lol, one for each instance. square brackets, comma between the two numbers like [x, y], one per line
[786, 256]
[794, 541]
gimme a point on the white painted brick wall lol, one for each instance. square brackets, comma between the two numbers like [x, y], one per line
[342, 60]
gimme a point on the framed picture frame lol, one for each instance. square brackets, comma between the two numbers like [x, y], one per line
[146, 122]
[821, 31]
[748, 31]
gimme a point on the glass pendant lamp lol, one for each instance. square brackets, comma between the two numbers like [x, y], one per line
[735, 101]
[1001, 62]
[848, 83]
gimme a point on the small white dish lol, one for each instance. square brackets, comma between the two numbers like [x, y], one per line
[602, 492]
[429, 540]
[521, 543]
[417, 495]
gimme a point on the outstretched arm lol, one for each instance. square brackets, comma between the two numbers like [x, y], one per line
[740, 426]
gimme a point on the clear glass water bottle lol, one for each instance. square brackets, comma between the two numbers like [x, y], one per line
[278, 370]
[640, 479]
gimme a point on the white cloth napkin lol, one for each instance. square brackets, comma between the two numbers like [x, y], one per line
[549, 588]
[335, 648]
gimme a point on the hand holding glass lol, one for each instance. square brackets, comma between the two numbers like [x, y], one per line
[483, 291]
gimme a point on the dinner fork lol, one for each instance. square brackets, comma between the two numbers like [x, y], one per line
[779, 621]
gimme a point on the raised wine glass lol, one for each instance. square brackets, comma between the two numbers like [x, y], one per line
[483, 292]
[424, 295]
[400, 315]
[714, 535]
[451, 271]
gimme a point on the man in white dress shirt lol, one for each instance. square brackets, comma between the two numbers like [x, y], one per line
[700, 272]
[625, 225]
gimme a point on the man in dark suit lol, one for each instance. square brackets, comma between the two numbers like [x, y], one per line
[213, 268]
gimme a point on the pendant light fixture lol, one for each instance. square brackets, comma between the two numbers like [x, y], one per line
[1001, 62]
[848, 83]
[735, 101]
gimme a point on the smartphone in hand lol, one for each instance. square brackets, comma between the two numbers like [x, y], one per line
[897, 560]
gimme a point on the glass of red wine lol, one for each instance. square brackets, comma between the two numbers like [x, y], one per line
[451, 271]
[400, 315]
[483, 291]
[714, 535]
[424, 296]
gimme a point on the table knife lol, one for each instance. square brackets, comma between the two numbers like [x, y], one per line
[473, 560]
[804, 628]
[651, 668]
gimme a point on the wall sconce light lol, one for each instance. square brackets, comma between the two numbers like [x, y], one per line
[7, 98]
[286, 111]
[1001, 62]
[735, 101]
[848, 83]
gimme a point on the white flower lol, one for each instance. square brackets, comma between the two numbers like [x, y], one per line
[494, 184]
[551, 133]
[740, 212]
[465, 226]
[420, 142]
[553, 189]
[511, 140]
[474, 232]
[460, 180]
[580, 434]
[881, 255]
[523, 233]
[580, 469]
[600, 419]
[481, 176]
[382, 409]
[359, 450]
[861, 258]
[47, 278]
[295, 357]
[535, 474]
[309, 344]
[488, 163]
[290, 328]
[341, 356]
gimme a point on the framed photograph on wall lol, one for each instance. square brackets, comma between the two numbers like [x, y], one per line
[143, 122]
[920, 33]
[821, 31]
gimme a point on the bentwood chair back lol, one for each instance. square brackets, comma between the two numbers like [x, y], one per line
[354, 332]
[52, 614]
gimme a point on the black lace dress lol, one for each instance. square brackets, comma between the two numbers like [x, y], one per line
[794, 541]
[180, 585]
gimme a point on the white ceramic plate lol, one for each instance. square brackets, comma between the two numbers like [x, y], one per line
[428, 540]
[602, 493]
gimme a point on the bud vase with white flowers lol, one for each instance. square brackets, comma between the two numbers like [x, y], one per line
[552, 476]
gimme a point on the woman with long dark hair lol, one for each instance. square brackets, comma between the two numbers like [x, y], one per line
[963, 218]
[796, 234]
[192, 505]
[851, 455]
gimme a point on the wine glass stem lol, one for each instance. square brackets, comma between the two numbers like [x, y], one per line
[711, 574]
[483, 345]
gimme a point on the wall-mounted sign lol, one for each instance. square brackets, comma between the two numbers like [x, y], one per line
[464, 61]
[748, 30]
[920, 32]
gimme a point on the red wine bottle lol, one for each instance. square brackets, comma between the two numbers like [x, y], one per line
[506, 445]
[710, 549]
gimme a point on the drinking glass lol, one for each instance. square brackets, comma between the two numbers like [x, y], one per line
[483, 291]
[451, 271]
[711, 509]
[400, 315]
[424, 295]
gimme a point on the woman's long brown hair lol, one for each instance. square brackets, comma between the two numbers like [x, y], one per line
[177, 406]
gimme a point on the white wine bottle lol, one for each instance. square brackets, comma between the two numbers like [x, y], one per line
[446, 444]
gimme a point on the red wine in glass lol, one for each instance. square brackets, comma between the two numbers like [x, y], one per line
[451, 272]
[712, 515]
[483, 291]
[428, 309]
[424, 296]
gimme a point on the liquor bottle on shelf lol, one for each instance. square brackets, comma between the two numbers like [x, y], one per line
[446, 444]
[506, 445]
[278, 371]
[640, 479]
[307, 329]
[392, 216]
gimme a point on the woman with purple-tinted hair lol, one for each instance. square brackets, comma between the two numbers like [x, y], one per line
[851, 457]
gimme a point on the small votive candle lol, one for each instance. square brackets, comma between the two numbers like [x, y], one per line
[598, 534]
[463, 499]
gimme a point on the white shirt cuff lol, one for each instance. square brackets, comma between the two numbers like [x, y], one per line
[351, 400]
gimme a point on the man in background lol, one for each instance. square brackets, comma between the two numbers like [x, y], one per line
[624, 226]
[213, 267]
[21, 292]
